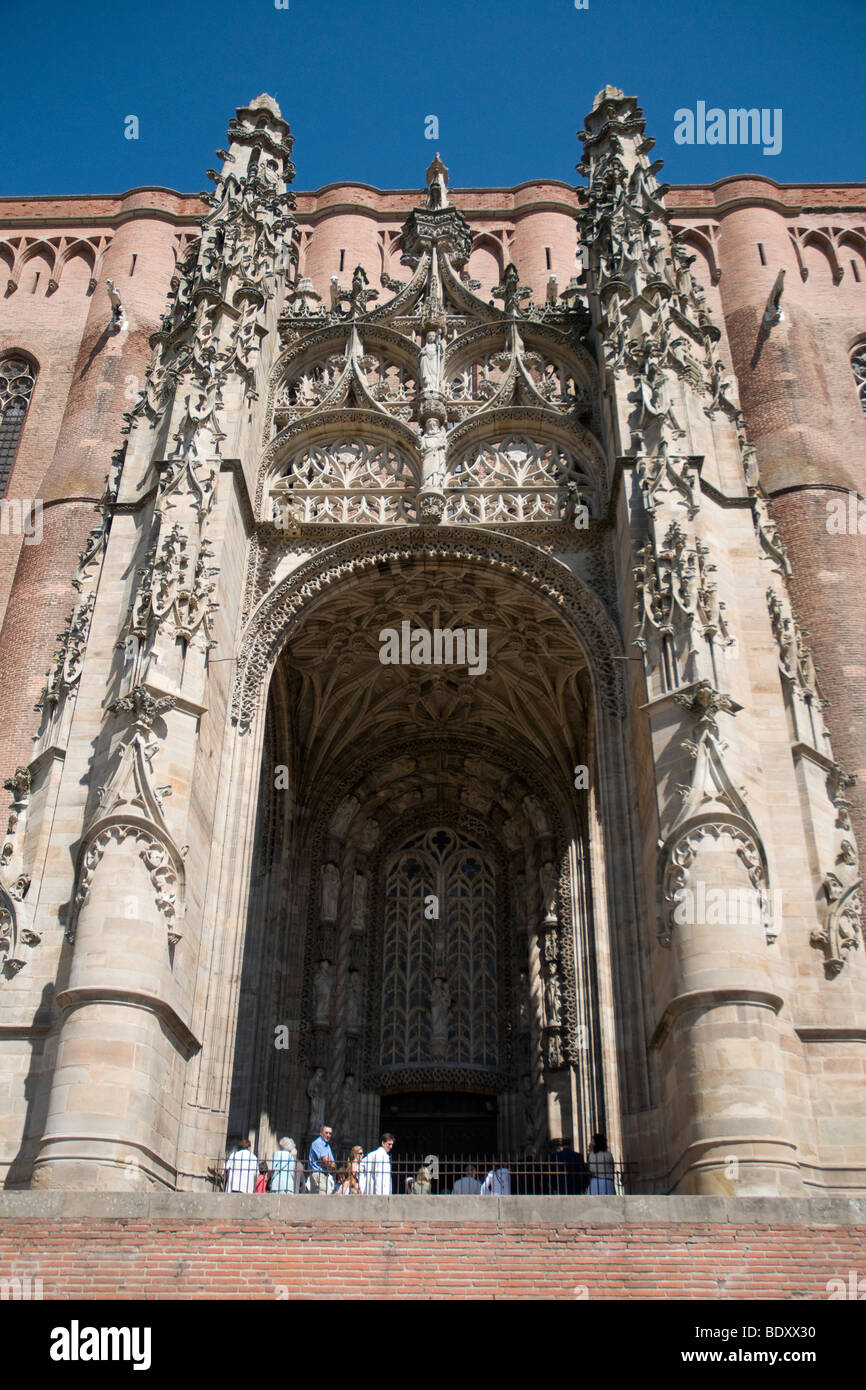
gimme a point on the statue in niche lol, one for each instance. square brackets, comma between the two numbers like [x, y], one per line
[439, 1007]
[330, 892]
[552, 1000]
[322, 983]
[548, 877]
[432, 445]
[430, 365]
[523, 1000]
[554, 1052]
[359, 902]
[316, 1094]
[527, 1102]
[439, 948]
[353, 999]
[536, 815]
[347, 1105]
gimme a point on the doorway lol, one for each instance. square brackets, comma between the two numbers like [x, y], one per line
[441, 1122]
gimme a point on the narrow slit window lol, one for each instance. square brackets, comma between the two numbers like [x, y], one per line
[858, 367]
[761, 253]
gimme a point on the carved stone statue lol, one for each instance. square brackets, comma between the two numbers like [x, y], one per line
[359, 902]
[330, 892]
[322, 982]
[316, 1094]
[430, 364]
[548, 878]
[552, 1000]
[523, 1000]
[438, 948]
[554, 1056]
[439, 1007]
[353, 999]
[347, 1105]
[432, 445]
[528, 1107]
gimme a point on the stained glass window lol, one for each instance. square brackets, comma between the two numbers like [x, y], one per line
[17, 376]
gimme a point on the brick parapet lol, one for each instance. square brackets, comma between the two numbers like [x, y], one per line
[90, 1246]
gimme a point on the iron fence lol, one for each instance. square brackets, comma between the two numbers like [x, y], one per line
[564, 1173]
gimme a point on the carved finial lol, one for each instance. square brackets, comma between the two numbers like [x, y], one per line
[266, 103]
[437, 184]
[607, 94]
[510, 291]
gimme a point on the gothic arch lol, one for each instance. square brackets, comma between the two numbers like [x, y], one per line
[486, 262]
[77, 252]
[18, 372]
[329, 428]
[701, 243]
[271, 623]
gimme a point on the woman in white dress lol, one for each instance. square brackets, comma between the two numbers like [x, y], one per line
[602, 1167]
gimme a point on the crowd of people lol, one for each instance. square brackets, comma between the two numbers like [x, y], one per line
[565, 1173]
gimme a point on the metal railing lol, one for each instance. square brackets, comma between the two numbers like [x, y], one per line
[560, 1174]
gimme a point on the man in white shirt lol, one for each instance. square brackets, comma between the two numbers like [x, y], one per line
[497, 1183]
[242, 1168]
[469, 1185]
[374, 1174]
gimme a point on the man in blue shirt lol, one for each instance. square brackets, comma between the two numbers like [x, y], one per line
[321, 1163]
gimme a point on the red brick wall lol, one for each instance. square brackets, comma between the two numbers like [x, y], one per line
[86, 374]
[827, 578]
[165, 1258]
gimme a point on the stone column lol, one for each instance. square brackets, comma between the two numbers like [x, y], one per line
[672, 421]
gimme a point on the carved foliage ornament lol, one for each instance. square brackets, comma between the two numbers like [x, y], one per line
[839, 900]
[166, 874]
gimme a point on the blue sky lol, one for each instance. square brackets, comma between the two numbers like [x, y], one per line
[509, 82]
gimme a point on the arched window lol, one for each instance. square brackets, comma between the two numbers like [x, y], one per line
[858, 367]
[17, 376]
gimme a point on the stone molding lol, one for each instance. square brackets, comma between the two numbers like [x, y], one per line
[624, 1212]
[69, 999]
